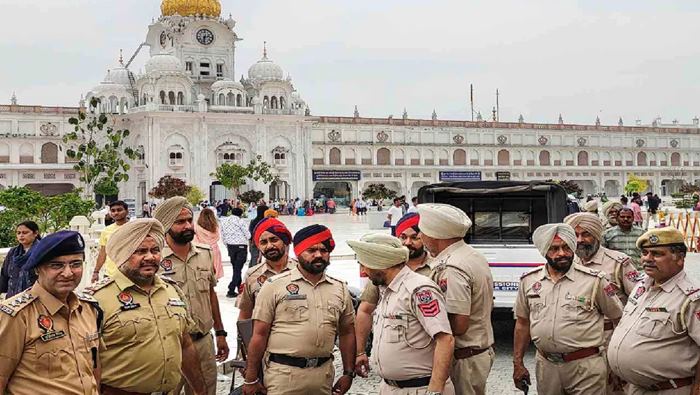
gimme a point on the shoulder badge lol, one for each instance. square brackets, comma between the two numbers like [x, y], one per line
[16, 303]
[689, 289]
[86, 298]
[617, 256]
[427, 304]
[167, 279]
[588, 270]
[93, 288]
[535, 270]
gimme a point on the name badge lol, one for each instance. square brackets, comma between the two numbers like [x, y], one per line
[295, 297]
[656, 309]
[53, 335]
[92, 336]
[176, 302]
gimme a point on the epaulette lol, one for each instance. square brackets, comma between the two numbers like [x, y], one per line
[689, 289]
[588, 270]
[86, 297]
[167, 280]
[16, 303]
[202, 246]
[278, 276]
[336, 279]
[618, 256]
[253, 269]
[91, 289]
[535, 270]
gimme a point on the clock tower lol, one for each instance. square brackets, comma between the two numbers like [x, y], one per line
[194, 32]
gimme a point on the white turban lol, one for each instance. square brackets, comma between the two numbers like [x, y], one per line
[587, 221]
[609, 205]
[591, 206]
[443, 221]
[168, 211]
[544, 235]
[379, 251]
[128, 237]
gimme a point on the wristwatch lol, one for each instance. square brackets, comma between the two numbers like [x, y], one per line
[350, 373]
[221, 332]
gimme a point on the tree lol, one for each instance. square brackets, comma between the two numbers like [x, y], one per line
[234, 176]
[378, 192]
[100, 150]
[689, 189]
[635, 184]
[252, 196]
[168, 187]
[195, 195]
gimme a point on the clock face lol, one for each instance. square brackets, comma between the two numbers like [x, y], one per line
[163, 39]
[205, 36]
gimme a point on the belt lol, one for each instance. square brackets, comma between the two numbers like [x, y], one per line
[299, 362]
[557, 357]
[198, 336]
[467, 352]
[410, 383]
[672, 384]
[107, 390]
[608, 326]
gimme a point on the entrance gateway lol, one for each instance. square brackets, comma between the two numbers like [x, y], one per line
[335, 184]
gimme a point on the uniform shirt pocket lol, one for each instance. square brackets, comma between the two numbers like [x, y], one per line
[203, 278]
[395, 329]
[332, 312]
[536, 304]
[295, 310]
[52, 357]
[577, 310]
[653, 324]
[129, 327]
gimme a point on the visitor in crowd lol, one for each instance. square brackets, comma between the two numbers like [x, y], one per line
[414, 205]
[394, 215]
[636, 206]
[235, 234]
[206, 231]
[271, 213]
[119, 212]
[330, 204]
[254, 252]
[13, 279]
[353, 209]
[252, 210]
[146, 210]
[624, 201]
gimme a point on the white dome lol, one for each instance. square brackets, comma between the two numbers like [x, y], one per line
[164, 62]
[226, 84]
[120, 75]
[109, 88]
[265, 70]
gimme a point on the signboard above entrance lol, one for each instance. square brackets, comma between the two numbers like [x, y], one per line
[460, 176]
[503, 176]
[336, 175]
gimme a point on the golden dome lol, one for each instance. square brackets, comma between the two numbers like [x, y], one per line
[191, 7]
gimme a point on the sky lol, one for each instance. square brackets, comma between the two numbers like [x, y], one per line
[635, 59]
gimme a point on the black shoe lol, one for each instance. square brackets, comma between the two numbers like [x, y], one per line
[231, 295]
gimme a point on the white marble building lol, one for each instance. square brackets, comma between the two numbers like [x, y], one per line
[187, 113]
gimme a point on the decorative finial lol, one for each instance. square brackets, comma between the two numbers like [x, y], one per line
[121, 57]
[494, 114]
[13, 99]
[356, 114]
[561, 120]
[434, 116]
[264, 49]
[619, 122]
[405, 114]
[521, 119]
[597, 121]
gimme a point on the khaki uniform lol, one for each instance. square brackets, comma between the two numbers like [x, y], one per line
[304, 320]
[48, 347]
[658, 336]
[255, 278]
[371, 292]
[568, 316]
[140, 349]
[196, 276]
[619, 270]
[409, 315]
[464, 276]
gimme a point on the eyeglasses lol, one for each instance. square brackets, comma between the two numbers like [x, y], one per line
[62, 266]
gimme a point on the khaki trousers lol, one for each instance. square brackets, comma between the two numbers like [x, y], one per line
[587, 376]
[469, 375]
[283, 379]
[207, 359]
[386, 389]
[632, 389]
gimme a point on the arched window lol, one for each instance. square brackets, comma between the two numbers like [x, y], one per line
[318, 156]
[530, 158]
[365, 156]
[641, 159]
[180, 98]
[230, 99]
[428, 157]
[383, 157]
[442, 157]
[239, 100]
[143, 100]
[26, 153]
[675, 159]
[283, 103]
[171, 97]
[488, 158]
[544, 158]
[399, 159]
[222, 99]
[473, 157]
[4, 153]
[503, 158]
[113, 105]
[162, 97]
[266, 102]
[280, 158]
[415, 157]
[582, 159]
[273, 102]
[334, 156]
[568, 158]
[49, 153]
[459, 157]
[175, 156]
[350, 156]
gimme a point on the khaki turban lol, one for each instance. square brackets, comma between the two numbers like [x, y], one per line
[610, 205]
[443, 221]
[587, 221]
[128, 237]
[591, 206]
[168, 211]
[379, 251]
[544, 235]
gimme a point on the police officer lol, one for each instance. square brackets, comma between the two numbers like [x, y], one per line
[50, 334]
[464, 276]
[191, 266]
[413, 342]
[655, 347]
[561, 307]
[297, 316]
[272, 239]
[418, 261]
[145, 335]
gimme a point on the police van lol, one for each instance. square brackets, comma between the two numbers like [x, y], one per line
[504, 215]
